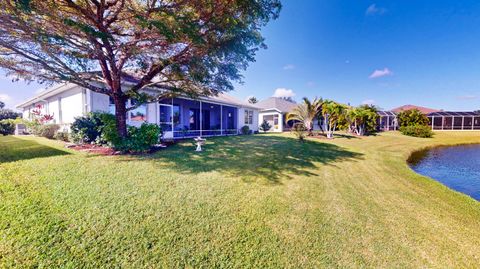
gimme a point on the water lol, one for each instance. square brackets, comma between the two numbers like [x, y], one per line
[457, 167]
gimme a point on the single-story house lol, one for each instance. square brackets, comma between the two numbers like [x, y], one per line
[439, 120]
[179, 117]
[274, 110]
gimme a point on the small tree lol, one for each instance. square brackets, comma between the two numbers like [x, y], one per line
[2, 105]
[306, 113]
[298, 129]
[411, 118]
[265, 126]
[362, 119]
[252, 100]
[332, 113]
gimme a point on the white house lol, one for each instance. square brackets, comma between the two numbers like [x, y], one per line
[179, 117]
[274, 110]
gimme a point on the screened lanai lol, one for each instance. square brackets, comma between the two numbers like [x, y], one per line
[442, 120]
[446, 120]
[387, 121]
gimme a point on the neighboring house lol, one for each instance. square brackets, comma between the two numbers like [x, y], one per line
[439, 120]
[179, 117]
[274, 110]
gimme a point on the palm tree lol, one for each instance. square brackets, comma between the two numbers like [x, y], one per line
[332, 113]
[306, 112]
[362, 119]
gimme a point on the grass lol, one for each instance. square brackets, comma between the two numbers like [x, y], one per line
[249, 201]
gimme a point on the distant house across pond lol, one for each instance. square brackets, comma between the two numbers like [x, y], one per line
[439, 120]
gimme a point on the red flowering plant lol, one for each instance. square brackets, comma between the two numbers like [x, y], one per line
[38, 117]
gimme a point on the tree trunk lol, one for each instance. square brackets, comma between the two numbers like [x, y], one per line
[121, 115]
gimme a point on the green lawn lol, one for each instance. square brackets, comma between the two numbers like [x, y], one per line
[248, 201]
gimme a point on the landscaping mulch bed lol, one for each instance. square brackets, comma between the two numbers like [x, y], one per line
[92, 148]
[97, 149]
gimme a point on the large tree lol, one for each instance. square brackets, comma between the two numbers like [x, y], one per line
[192, 47]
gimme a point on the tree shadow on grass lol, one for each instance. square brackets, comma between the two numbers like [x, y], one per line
[252, 157]
[16, 149]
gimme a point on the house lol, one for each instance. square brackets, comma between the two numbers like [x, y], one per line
[424, 110]
[274, 110]
[439, 120]
[179, 117]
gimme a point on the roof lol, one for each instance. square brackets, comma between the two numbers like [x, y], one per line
[453, 113]
[424, 110]
[220, 98]
[228, 99]
[277, 103]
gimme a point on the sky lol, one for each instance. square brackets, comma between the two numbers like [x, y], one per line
[387, 53]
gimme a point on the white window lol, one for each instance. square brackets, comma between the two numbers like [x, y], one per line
[248, 116]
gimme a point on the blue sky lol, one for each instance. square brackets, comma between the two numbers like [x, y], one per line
[388, 53]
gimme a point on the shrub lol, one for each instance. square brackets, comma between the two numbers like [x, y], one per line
[423, 131]
[85, 129]
[265, 126]
[62, 136]
[411, 118]
[299, 130]
[47, 130]
[140, 139]
[7, 127]
[108, 131]
[245, 130]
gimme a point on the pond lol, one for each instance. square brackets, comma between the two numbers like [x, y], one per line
[457, 167]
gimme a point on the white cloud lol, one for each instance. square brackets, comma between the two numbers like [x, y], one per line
[381, 73]
[289, 67]
[467, 97]
[374, 10]
[283, 92]
[368, 102]
[5, 97]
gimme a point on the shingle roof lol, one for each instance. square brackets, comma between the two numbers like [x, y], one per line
[424, 110]
[280, 104]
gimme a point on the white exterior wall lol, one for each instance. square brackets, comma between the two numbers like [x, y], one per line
[72, 105]
[241, 119]
[64, 106]
[279, 127]
[98, 102]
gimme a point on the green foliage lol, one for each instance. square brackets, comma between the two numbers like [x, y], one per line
[7, 127]
[139, 139]
[411, 118]
[423, 131]
[306, 113]
[108, 131]
[252, 100]
[6, 114]
[298, 129]
[86, 129]
[362, 119]
[334, 114]
[62, 136]
[2, 105]
[46, 130]
[245, 130]
[265, 126]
